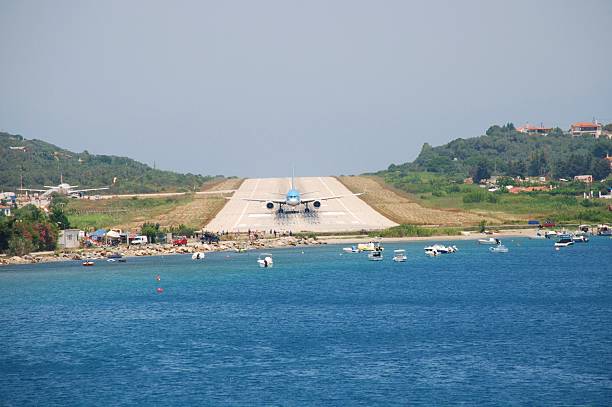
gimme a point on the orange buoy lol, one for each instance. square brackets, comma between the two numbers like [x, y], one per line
[160, 290]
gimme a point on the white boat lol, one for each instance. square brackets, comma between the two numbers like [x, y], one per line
[441, 249]
[376, 255]
[198, 256]
[550, 233]
[564, 241]
[538, 235]
[491, 240]
[580, 238]
[430, 251]
[265, 260]
[500, 248]
[399, 255]
[351, 249]
[604, 230]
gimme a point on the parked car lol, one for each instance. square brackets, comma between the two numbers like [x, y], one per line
[179, 241]
[209, 237]
[549, 224]
[139, 240]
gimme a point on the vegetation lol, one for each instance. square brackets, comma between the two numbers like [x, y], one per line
[413, 230]
[505, 151]
[41, 163]
[29, 229]
[436, 178]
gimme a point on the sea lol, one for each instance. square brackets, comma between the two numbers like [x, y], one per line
[321, 327]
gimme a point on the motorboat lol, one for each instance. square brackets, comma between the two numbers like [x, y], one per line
[370, 247]
[375, 255]
[564, 241]
[491, 241]
[265, 260]
[604, 230]
[500, 248]
[538, 235]
[198, 256]
[352, 249]
[88, 263]
[431, 251]
[550, 234]
[399, 255]
[441, 249]
[580, 238]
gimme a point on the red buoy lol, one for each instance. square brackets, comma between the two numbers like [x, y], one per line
[160, 290]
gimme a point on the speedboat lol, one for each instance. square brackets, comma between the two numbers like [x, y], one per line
[441, 249]
[198, 256]
[550, 233]
[88, 263]
[399, 255]
[564, 241]
[604, 230]
[352, 249]
[431, 251]
[376, 255]
[580, 238]
[491, 240]
[265, 260]
[500, 248]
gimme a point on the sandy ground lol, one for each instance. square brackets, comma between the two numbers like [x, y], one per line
[197, 213]
[344, 214]
[398, 206]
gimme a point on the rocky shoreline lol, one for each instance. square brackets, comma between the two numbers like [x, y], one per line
[157, 250]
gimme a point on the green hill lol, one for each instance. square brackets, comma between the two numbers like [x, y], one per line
[505, 151]
[41, 163]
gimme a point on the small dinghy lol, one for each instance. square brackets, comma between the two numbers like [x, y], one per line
[198, 256]
[352, 249]
[500, 248]
[88, 263]
[265, 260]
[490, 240]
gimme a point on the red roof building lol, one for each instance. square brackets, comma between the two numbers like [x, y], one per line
[534, 130]
[586, 129]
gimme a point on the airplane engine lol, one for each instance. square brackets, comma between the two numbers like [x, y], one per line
[270, 205]
[316, 204]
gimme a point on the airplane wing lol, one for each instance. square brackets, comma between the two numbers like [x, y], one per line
[327, 198]
[276, 201]
[74, 191]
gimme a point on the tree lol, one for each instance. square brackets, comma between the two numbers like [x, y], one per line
[481, 171]
[600, 169]
[150, 230]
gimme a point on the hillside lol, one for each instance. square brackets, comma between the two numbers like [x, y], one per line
[505, 151]
[41, 163]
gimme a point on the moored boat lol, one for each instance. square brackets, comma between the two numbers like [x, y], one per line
[198, 256]
[265, 260]
[399, 255]
[500, 248]
[375, 255]
[564, 241]
[491, 241]
[88, 263]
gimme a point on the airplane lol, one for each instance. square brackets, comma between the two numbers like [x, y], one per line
[63, 189]
[294, 198]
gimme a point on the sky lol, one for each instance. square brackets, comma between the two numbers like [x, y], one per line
[252, 88]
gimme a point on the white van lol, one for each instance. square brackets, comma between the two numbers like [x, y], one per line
[139, 240]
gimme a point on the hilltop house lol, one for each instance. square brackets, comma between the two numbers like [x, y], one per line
[586, 129]
[534, 130]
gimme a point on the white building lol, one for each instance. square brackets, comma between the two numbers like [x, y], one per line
[586, 129]
[69, 239]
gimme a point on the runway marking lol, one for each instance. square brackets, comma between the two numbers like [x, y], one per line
[332, 213]
[247, 203]
[341, 203]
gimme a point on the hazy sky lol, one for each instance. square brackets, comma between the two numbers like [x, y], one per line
[337, 87]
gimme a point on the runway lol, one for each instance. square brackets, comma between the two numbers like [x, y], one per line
[337, 215]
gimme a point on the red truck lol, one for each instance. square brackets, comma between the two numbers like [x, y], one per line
[179, 241]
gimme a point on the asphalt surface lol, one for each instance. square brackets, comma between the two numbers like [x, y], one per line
[349, 213]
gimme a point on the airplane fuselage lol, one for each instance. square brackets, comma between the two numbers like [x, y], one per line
[293, 197]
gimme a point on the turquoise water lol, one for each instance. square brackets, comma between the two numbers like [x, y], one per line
[533, 326]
